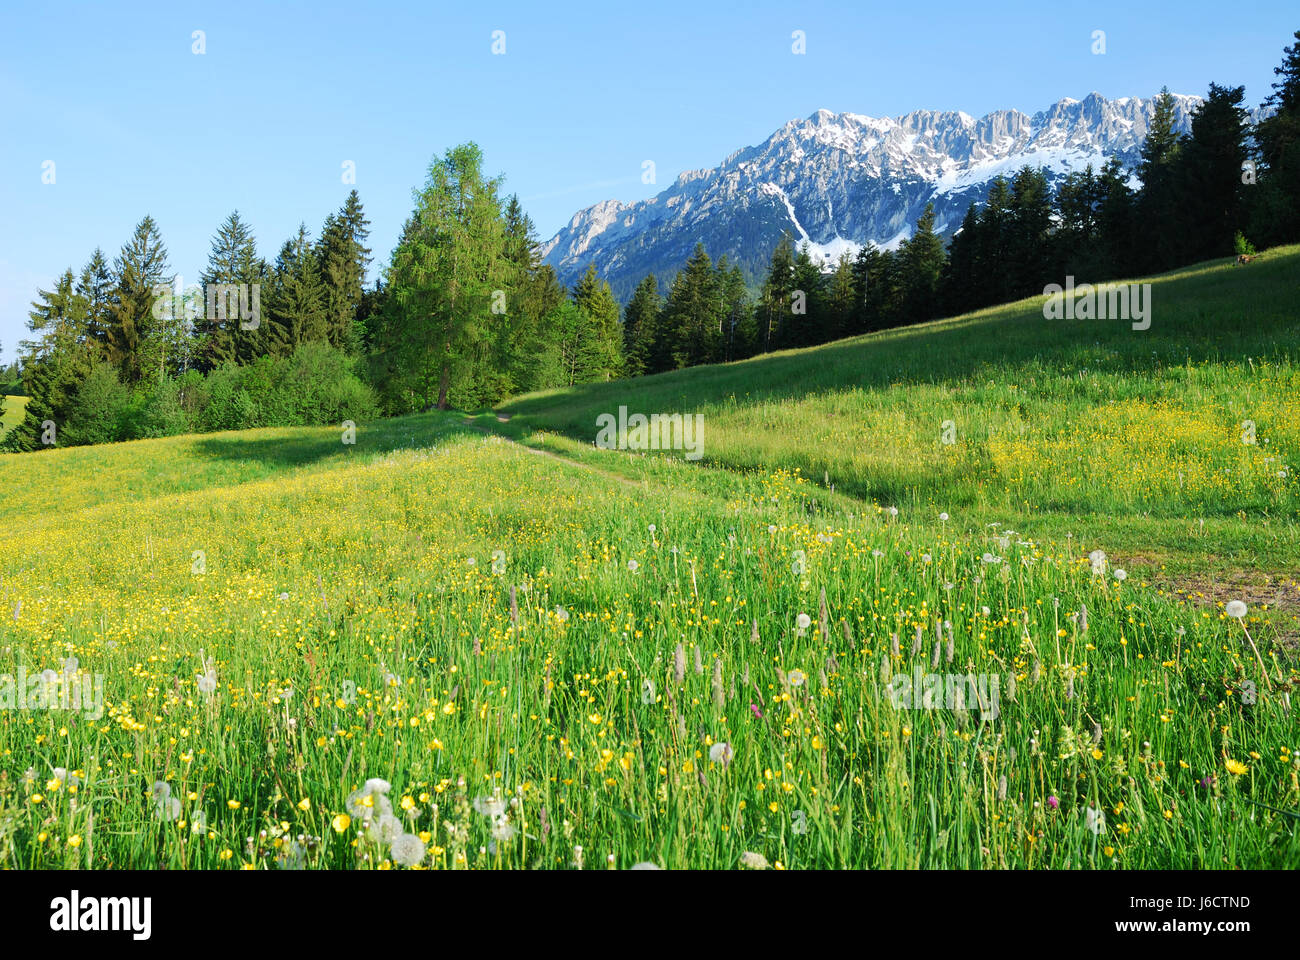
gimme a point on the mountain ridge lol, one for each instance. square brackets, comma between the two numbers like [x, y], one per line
[840, 180]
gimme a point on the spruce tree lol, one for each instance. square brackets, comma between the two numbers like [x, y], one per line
[1211, 199]
[232, 259]
[840, 299]
[137, 342]
[1276, 197]
[1159, 199]
[806, 321]
[774, 302]
[54, 364]
[296, 308]
[344, 259]
[640, 325]
[605, 347]
[922, 262]
[691, 332]
[95, 286]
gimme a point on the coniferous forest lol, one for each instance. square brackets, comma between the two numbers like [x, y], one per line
[464, 315]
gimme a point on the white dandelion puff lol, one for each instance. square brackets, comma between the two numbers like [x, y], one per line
[489, 806]
[408, 850]
[386, 828]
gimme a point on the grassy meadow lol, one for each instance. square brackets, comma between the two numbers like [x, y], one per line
[437, 648]
[1059, 426]
[11, 412]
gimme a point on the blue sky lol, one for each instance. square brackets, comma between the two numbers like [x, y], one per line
[137, 123]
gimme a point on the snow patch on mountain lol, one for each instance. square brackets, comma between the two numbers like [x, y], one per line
[840, 181]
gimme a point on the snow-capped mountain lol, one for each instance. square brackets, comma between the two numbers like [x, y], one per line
[840, 180]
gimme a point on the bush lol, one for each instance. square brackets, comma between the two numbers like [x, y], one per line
[318, 385]
[99, 410]
[157, 412]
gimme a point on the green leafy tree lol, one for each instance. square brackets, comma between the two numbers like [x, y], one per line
[442, 277]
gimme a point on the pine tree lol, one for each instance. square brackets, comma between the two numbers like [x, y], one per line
[640, 325]
[53, 365]
[960, 282]
[1276, 199]
[95, 286]
[774, 302]
[595, 298]
[1159, 201]
[344, 259]
[1115, 221]
[991, 248]
[232, 259]
[1210, 192]
[1030, 248]
[737, 313]
[922, 262]
[691, 331]
[841, 297]
[805, 324]
[137, 342]
[296, 307]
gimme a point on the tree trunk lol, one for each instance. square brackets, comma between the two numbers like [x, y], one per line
[445, 380]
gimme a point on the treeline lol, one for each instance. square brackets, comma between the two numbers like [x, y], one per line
[1217, 190]
[464, 315]
[117, 354]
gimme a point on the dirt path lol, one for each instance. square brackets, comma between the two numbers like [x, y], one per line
[502, 418]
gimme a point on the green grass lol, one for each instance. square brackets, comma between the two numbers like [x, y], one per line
[11, 412]
[351, 605]
[1132, 438]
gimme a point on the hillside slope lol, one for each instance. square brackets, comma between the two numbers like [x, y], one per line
[1088, 427]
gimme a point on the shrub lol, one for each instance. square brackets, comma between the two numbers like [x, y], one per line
[100, 408]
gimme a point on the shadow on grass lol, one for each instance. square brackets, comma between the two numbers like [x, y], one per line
[299, 446]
